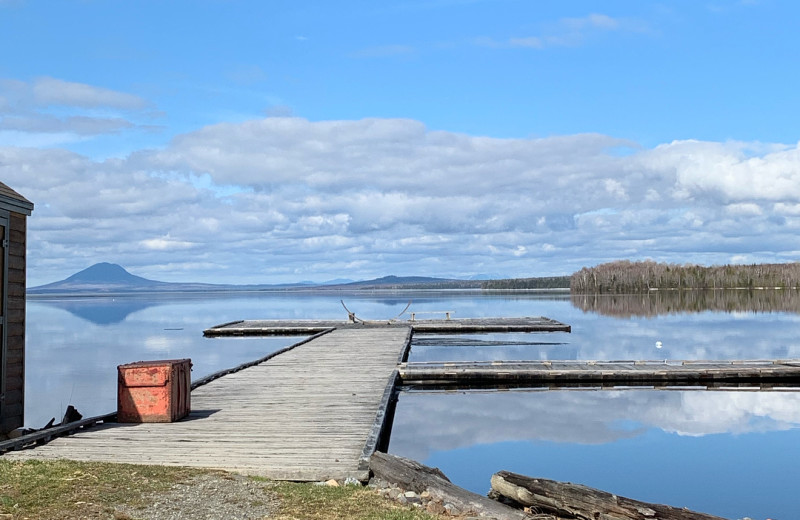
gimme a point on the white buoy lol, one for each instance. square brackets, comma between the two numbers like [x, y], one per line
[658, 344]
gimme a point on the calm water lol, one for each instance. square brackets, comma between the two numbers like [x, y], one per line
[730, 453]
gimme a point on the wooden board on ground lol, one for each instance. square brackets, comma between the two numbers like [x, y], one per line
[308, 414]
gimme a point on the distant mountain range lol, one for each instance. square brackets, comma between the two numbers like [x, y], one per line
[112, 278]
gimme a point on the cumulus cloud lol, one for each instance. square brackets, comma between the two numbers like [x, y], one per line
[732, 172]
[281, 199]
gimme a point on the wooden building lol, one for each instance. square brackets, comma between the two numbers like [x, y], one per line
[14, 210]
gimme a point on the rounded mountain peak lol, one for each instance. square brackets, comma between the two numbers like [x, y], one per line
[105, 272]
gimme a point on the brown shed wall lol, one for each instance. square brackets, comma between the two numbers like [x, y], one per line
[12, 411]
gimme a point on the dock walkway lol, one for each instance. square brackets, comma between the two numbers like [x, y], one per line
[312, 413]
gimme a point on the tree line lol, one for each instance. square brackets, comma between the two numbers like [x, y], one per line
[545, 282]
[624, 276]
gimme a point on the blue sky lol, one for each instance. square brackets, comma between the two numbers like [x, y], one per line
[243, 141]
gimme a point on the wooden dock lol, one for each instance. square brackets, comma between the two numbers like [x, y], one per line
[440, 326]
[690, 373]
[313, 413]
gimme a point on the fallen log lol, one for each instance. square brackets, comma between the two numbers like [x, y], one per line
[410, 475]
[565, 499]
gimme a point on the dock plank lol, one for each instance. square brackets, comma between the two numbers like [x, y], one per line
[307, 414]
[601, 372]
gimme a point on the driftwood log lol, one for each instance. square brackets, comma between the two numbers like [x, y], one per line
[413, 476]
[581, 502]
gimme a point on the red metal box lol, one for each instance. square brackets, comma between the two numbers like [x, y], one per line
[154, 391]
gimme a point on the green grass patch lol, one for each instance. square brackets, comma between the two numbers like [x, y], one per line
[71, 490]
[314, 502]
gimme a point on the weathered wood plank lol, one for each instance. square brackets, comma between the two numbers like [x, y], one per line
[601, 372]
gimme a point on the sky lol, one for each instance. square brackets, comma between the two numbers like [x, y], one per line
[238, 141]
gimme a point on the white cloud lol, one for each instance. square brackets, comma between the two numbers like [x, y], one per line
[80, 125]
[729, 171]
[50, 111]
[568, 32]
[165, 243]
[281, 199]
[53, 91]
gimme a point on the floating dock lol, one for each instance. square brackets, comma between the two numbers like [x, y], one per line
[441, 326]
[611, 373]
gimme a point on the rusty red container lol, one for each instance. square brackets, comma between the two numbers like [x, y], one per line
[154, 391]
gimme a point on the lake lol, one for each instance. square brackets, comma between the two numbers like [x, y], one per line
[727, 452]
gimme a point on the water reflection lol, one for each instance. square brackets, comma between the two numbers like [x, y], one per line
[677, 443]
[101, 311]
[720, 452]
[492, 347]
[656, 303]
[427, 422]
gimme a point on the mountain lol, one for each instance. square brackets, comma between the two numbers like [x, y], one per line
[409, 282]
[102, 277]
[105, 273]
[107, 278]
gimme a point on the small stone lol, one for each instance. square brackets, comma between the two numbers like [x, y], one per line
[332, 483]
[452, 510]
[412, 498]
[350, 481]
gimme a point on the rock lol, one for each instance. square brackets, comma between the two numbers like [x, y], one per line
[332, 483]
[435, 508]
[412, 498]
[350, 481]
[452, 510]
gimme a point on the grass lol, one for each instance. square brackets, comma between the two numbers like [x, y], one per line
[313, 502]
[71, 490]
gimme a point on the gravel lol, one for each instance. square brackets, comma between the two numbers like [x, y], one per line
[208, 497]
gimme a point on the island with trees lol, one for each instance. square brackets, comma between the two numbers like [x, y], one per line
[626, 277]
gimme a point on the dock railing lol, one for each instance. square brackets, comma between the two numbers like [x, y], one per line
[446, 314]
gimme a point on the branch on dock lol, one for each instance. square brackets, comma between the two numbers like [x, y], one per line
[47, 434]
[568, 500]
[413, 476]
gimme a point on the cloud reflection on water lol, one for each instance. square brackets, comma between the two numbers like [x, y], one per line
[429, 422]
